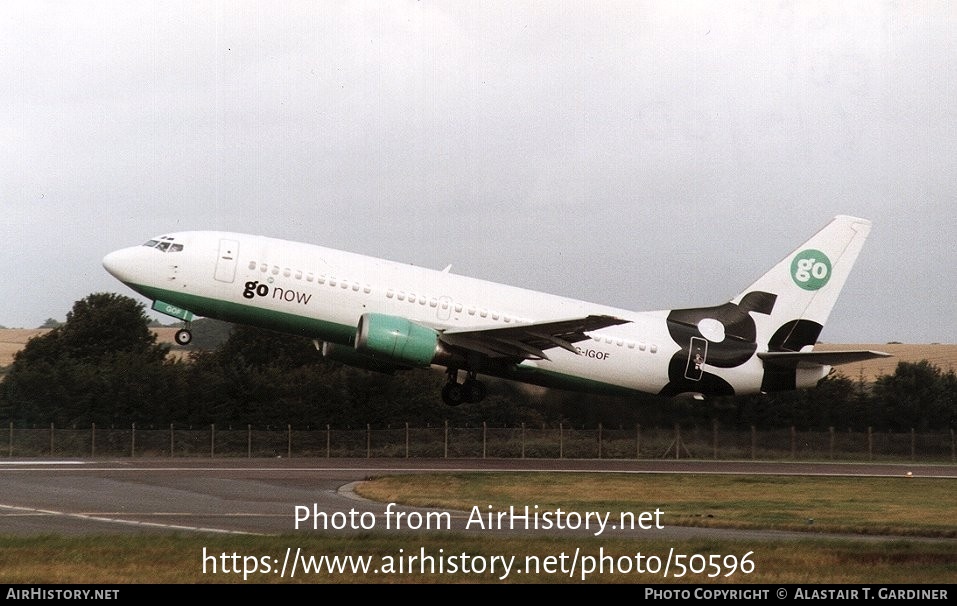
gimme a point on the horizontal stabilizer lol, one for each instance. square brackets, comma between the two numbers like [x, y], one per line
[790, 359]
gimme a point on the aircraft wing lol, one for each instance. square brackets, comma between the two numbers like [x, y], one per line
[790, 359]
[528, 341]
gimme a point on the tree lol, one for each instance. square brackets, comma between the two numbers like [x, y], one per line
[917, 396]
[102, 365]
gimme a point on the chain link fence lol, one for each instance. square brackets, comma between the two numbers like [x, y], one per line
[561, 442]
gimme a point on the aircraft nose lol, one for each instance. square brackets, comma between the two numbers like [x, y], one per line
[119, 263]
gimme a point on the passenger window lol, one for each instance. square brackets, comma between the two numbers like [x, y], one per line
[252, 265]
[176, 248]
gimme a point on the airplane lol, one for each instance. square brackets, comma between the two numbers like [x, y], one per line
[388, 316]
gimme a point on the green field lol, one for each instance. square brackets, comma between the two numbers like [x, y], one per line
[920, 514]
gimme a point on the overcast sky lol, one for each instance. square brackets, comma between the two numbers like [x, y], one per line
[647, 155]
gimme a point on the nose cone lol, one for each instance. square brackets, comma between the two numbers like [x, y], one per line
[121, 264]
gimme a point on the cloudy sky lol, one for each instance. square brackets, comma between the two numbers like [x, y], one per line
[644, 154]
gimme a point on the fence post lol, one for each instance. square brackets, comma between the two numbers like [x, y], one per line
[561, 440]
[677, 441]
[953, 446]
[446, 440]
[212, 440]
[328, 451]
[484, 431]
[870, 444]
[407, 440]
[637, 441]
[171, 443]
[523, 439]
[830, 430]
[599, 440]
[92, 439]
[714, 437]
[754, 443]
[249, 441]
[51, 439]
[11, 438]
[793, 442]
[288, 440]
[368, 441]
[913, 444]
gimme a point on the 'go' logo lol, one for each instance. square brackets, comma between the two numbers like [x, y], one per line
[811, 269]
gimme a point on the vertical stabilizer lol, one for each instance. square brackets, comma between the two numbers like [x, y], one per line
[805, 286]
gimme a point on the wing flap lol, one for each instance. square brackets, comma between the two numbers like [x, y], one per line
[528, 341]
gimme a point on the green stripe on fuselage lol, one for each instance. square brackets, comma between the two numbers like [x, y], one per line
[345, 334]
[557, 380]
[228, 311]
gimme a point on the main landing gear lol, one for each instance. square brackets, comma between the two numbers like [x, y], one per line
[471, 391]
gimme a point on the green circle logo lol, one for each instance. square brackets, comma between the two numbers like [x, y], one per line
[811, 269]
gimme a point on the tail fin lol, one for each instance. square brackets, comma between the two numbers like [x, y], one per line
[804, 286]
[778, 319]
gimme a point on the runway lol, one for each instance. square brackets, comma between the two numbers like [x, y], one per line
[265, 496]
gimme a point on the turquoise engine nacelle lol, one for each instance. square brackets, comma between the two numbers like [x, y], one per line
[396, 340]
[347, 354]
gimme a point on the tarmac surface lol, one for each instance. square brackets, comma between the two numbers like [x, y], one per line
[266, 496]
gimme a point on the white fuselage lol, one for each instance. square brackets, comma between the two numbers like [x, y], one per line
[387, 316]
[320, 293]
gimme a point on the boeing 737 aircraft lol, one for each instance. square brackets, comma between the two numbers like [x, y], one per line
[389, 316]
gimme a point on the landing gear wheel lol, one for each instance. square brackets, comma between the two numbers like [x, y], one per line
[474, 391]
[183, 337]
[453, 394]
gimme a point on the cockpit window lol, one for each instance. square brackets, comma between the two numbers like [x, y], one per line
[164, 244]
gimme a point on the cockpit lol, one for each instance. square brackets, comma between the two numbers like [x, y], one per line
[164, 244]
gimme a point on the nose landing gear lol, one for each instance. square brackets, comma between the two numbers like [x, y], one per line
[184, 335]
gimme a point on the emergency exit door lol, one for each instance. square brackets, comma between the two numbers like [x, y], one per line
[226, 261]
